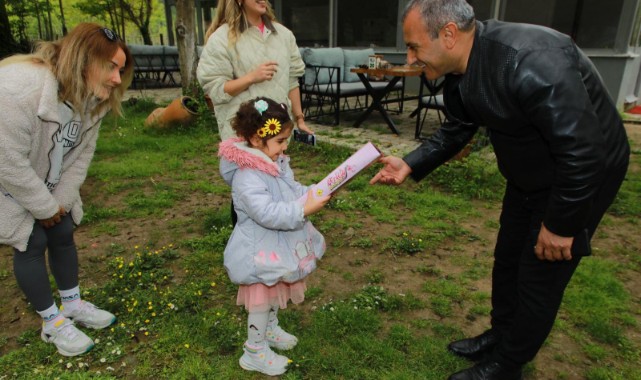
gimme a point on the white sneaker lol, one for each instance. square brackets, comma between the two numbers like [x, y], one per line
[67, 338]
[280, 339]
[263, 360]
[89, 315]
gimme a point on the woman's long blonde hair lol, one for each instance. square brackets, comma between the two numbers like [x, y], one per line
[72, 57]
[231, 12]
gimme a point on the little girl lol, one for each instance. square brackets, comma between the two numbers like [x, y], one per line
[273, 246]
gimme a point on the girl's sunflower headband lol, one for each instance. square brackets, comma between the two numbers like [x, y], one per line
[271, 126]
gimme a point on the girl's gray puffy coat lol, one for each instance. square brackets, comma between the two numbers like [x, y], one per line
[272, 240]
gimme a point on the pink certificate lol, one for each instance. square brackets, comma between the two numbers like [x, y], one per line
[358, 161]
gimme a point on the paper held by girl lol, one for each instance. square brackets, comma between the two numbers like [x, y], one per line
[358, 161]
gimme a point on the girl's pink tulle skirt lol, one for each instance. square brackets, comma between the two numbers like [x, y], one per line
[260, 297]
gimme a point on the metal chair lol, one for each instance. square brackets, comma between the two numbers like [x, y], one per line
[429, 97]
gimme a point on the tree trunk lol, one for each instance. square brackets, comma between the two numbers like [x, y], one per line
[139, 14]
[122, 24]
[38, 18]
[8, 44]
[62, 19]
[146, 37]
[49, 26]
[186, 41]
[117, 18]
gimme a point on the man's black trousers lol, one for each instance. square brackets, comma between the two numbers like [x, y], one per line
[527, 292]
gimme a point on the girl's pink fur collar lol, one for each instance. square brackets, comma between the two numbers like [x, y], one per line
[244, 158]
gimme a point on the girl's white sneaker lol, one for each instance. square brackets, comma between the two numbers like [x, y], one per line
[280, 339]
[263, 360]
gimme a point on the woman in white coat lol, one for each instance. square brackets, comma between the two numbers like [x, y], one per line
[53, 101]
[249, 54]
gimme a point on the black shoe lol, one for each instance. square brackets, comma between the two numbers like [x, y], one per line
[475, 348]
[488, 371]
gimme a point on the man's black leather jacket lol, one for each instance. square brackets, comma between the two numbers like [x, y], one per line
[551, 122]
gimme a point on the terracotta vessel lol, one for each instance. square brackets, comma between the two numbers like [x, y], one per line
[210, 104]
[181, 111]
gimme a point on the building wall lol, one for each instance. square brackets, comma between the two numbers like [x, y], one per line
[609, 31]
[604, 29]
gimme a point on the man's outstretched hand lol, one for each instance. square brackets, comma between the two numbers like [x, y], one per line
[394, 171]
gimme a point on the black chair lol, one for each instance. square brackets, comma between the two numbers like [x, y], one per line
[429, 97]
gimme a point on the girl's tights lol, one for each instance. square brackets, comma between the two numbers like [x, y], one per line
[256, 327]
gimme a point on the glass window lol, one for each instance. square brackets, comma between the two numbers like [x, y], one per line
[597, 23]
[533, 12]
[308, 20]
[367, 23]
[636, 31]
[482, 9]
[591, 23]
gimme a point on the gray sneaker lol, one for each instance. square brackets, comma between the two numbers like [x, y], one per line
[280, 339]
[263, 360]
[67, 338]
[89, 315]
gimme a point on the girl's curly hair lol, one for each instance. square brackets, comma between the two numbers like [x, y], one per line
[249, 118]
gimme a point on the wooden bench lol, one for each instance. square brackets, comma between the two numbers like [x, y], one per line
[328, 87]
[155, 66]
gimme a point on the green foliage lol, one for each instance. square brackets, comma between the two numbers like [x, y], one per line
[342, 318]
[94, 213]
[215, 240]
[226, 330]
[400, 338]
[375, 297]
[22, 17]
[404, 243]
[219, 218]
[597, 301]
[443, 295]
[475, 176]
[363, 242]
[137, 106]
[370, 297]
[627, 201]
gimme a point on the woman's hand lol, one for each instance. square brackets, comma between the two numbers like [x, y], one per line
[314, 204]
[303, 127]
[55, 219]
[265, 71]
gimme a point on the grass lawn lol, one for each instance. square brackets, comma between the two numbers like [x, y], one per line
[406, 271]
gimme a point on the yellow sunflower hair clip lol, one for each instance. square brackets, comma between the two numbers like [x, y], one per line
[272, 127]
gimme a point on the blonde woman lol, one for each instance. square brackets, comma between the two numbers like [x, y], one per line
[53, 102]
[249, 54]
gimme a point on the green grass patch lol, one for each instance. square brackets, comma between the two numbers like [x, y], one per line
[176, 309]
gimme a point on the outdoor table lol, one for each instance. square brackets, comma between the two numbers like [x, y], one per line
[397, 73]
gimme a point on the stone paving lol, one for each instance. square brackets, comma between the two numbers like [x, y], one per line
[373, 129]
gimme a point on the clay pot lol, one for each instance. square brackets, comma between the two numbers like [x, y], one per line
[181, 111]
[210, 104]
[151, 119]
